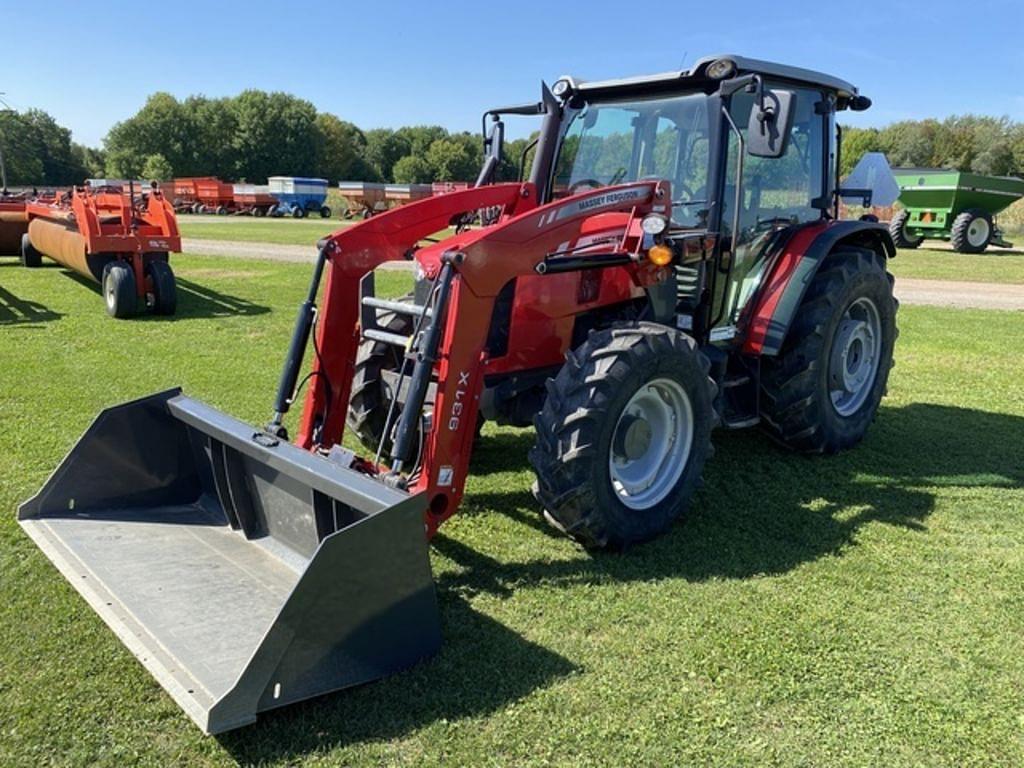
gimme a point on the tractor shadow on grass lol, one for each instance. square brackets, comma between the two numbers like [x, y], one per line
[18, 311]
[482, 667]
[764, 510]
[195, 301]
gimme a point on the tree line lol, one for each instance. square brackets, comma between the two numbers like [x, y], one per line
[257, 134]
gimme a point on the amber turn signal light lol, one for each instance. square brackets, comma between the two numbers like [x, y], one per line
[660, 255]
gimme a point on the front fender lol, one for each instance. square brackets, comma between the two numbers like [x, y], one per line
[787, 280]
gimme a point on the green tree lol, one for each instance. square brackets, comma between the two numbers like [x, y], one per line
[275, 134]
[157, 168]
[341, 150]
[450, 160]
[412, 169]
[384, 148]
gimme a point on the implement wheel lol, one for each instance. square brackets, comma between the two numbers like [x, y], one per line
[119, 289]
[298, 212]
[624, 434]
[972, 231]
[371, 395]
[325, 212]
[30, 257]
[165, 289]
[901, 236]
[821, 393]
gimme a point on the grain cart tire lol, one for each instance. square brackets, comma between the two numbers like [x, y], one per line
[119, 289]
[299, 212]
[325, 212]
[222, 210]
[623, 435]
[30, 257]
[972, 231]
[370, 400]
[821, 392]
[900, 235]
[165, 290]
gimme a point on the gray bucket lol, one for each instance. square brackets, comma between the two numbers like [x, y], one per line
[243, 572]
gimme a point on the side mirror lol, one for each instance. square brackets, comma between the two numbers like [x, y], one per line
[771, 119]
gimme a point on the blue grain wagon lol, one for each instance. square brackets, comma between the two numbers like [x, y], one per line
[298, 196]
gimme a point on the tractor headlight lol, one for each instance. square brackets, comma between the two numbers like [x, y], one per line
[561, 88]
[653, 224]
[719, 69]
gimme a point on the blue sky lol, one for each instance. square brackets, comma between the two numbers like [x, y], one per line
[91, 64]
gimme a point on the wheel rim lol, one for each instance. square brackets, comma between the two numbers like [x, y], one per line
[978, 232]
[856, 352]
[109, 294]
[651, 444]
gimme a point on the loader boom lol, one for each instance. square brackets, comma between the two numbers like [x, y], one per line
[483, 262]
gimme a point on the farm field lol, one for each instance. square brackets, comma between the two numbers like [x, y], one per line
[858, 610]
[996, 266]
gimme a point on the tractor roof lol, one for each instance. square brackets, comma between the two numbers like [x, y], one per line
[664, 80]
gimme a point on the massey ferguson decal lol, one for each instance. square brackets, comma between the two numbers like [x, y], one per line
[595, 204]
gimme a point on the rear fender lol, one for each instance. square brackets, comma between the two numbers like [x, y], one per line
[798, 261]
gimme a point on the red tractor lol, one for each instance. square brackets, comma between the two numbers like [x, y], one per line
[674, 264]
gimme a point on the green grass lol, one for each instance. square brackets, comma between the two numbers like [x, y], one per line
[859, 610]
[991, 267]
[248, 229]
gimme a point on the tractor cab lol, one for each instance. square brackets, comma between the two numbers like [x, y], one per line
[749, 148]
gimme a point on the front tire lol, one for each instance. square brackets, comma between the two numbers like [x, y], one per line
[370, 400]
[623, 435]
[972, 231]
[822, 391]
[901, 236]
[119, 290]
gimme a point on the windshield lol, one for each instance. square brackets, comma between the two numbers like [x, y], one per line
[614, 142]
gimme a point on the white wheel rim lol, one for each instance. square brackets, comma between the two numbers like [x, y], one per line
[978, 232]
[856, 352]
[108, 293]
[651, 444]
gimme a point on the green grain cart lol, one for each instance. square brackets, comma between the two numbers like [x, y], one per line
[950, 205]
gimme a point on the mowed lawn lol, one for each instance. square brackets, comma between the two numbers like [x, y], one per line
[859, 610]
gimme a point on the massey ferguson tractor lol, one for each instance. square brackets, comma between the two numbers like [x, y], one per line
[674, 264]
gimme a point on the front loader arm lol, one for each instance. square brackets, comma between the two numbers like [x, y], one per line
[352, 252]
[483, 266]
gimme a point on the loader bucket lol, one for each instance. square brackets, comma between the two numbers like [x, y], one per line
[244, 572]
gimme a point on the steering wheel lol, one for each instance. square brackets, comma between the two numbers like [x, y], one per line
[590, 183]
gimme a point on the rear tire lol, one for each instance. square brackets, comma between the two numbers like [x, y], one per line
[30, 257]
[371, 396]
[972, 231]
[119, 290]
[165, 290]
[634, 403]
[821, 392]
[900, 235]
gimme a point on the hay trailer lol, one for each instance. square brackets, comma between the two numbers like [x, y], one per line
[952, 205]
[113, 236]
[362, 198]
[298, 196]
[253, 199]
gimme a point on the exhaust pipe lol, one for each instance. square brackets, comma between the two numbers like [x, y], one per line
[243, 572]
